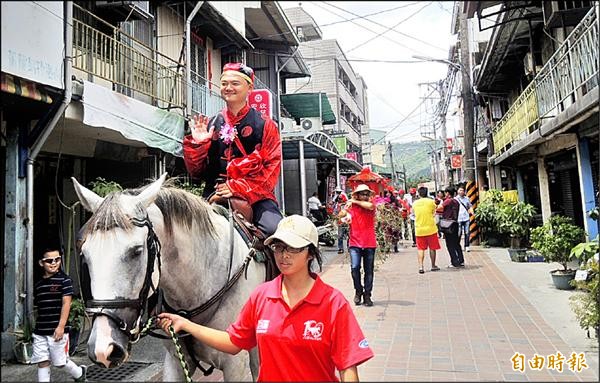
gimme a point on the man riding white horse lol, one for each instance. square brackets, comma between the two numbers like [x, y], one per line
[239, 146]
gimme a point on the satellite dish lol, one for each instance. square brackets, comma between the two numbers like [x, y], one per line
[307, 124]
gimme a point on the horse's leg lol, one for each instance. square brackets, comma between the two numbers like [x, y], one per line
[172, 370]
[254, 363]
[236, 368]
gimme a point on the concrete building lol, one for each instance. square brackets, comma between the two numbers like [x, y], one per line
[104, 92]
[333, 75]
[536, 92]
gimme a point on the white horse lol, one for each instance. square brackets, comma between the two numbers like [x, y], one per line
[195, 255]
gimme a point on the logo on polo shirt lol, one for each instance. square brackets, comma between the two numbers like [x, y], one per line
[312, 330]
[262, 326]
[363, 344]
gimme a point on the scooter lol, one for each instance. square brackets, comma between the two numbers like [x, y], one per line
[325, 231]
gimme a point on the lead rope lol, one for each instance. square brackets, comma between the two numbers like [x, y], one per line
[175, 338]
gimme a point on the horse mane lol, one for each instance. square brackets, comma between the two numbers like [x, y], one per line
[176, 205]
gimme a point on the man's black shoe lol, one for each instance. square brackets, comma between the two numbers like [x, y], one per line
[368, 301]
[357, 299]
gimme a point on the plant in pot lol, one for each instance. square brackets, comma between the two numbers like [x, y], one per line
[554, 240]
[487, 213]
[585, 304]
[514, 219]
[76, 320]
[24, 345]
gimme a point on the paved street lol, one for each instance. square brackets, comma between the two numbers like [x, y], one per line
[450, 325]
[462, 324]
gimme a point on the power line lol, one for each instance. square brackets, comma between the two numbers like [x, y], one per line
[384, 26]
[370, 14]
[368, 29]
[389, 29]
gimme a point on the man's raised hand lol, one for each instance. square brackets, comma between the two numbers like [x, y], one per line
[198, 126]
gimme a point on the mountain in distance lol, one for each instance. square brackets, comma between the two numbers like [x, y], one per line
[415, 157]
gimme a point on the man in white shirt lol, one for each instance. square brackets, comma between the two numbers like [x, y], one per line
[315, 207]
[464, 213]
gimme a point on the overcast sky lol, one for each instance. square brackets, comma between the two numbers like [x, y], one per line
[393, 88]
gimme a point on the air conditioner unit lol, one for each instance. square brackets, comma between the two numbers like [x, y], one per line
[311, 124]
[564, 13]
[288, 125]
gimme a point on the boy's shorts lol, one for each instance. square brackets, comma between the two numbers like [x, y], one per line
[46, 348]
[428, 241]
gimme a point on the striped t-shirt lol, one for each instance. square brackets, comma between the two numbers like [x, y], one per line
[48, 297]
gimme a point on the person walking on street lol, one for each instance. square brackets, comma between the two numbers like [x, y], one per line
[362, 241]
[339, 200]
[464, 216]
[449, 209]
[52, 297]
[304, 329]
[425, 229]
[237, 152]
[404, 211]
[410, 199]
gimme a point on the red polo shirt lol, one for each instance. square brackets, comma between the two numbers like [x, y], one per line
[306, 343]
[362, 227]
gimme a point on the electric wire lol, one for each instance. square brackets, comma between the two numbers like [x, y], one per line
[370, 14]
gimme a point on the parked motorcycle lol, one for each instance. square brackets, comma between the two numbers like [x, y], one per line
[326, 231]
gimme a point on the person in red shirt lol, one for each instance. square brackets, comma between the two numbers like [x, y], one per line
[305, 329]
[362, 241]
[237, 152]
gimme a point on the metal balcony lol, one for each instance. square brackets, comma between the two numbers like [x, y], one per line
[567, 76]
[132, 67]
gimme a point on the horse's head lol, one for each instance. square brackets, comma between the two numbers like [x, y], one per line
[121, 253]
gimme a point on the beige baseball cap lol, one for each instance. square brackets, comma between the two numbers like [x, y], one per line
[295, 231]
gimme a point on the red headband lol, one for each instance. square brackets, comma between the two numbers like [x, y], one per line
[239, 69]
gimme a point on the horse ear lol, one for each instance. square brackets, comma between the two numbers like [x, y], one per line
[90, 200]
[147, 196]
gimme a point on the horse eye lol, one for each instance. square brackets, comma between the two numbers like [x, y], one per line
[137, 252]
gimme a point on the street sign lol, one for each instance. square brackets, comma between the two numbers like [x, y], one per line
[449, 143]
[352, 156]
[456, 161]
[261, 100]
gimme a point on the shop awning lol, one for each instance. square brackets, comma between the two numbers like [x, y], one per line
[302, 105]
[316, 145]
[134, 119]
[24, 88]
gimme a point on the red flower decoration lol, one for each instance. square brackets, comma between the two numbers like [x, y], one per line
[246, 131]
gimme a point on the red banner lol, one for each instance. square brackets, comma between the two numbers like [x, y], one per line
[261, 100]
[456, 161]
[449, 143]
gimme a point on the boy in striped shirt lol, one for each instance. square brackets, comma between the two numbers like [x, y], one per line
[52, 296]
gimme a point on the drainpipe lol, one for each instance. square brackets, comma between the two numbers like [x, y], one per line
[278, 111]
[37, 146]
[188, 54]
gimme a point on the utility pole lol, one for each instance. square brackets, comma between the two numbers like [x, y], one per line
[467, 99]
[392, 163]
[405, 182]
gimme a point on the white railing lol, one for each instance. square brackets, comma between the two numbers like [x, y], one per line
[205, 101]
[571, 71]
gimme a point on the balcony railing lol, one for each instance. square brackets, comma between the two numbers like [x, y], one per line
[567, 76]
[205, 101]
[126, 62]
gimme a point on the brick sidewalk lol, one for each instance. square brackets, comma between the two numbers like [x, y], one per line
[451, 325]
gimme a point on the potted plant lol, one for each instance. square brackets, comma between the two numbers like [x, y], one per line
[585, 304]
[24, 344]
[554, 240]
[487, 214]
[514, 219]
[76, 319]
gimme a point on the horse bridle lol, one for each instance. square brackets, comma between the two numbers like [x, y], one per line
[97, 307]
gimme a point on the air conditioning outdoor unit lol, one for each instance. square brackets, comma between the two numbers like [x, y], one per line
[311, 124]
[288, 125]
[564, 13]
